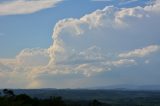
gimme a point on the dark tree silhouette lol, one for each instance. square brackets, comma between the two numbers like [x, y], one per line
[96, 103]
[57, 101]
[8, 93]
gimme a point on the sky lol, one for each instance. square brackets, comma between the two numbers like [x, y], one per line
[79, 43]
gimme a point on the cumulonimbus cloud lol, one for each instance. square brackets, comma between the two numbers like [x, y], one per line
[95, 43]
[25, 6]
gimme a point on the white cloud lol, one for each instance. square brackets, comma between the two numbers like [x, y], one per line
[18, 71]
[155, 7]
[33, 57]
[124, 62]
[90, 69]
[89, 45]
[141, 52]
[25, 6]
[87, 27]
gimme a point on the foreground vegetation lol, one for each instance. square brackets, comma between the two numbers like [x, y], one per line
[10, 99]
[113, 98]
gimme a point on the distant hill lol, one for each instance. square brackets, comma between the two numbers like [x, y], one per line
[101, 93]
[128, 87]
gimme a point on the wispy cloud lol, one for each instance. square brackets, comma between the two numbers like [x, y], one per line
[13, 7]
[124, 2]
[141, 52]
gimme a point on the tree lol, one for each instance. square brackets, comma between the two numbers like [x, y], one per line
[57, 101]
[8, 93]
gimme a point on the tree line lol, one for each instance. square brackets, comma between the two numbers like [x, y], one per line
[9, 98]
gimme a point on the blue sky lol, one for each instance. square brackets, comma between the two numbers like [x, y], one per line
[79, 43]
[36, 28]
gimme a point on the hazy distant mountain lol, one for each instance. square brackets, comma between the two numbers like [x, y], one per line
[129, 87]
